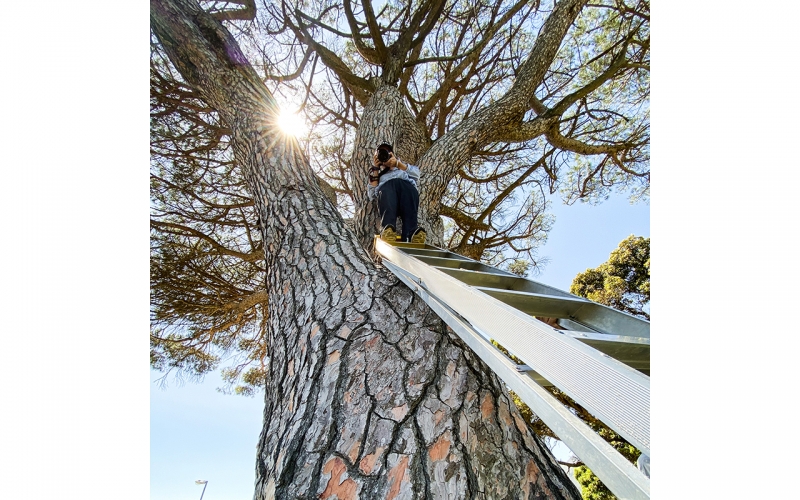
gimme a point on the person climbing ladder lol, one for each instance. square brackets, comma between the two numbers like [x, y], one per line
[395, 184]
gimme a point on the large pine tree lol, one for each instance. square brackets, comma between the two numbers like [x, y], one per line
[367, 394]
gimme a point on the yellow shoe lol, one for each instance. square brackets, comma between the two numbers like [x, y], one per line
[388, 234]
[419, 236]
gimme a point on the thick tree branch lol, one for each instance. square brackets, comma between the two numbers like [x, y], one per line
[555, 138]
[430, 11]
[532, 71]
[374, 28]
[477, 130]
[462, 219]
[523, 132]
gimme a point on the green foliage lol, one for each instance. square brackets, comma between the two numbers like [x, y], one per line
[596, 38]
[519, 267]
[244, 382]
[622, 282]
[207, 304]
[591, 487]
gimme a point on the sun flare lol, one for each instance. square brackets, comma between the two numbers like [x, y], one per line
[291, 123]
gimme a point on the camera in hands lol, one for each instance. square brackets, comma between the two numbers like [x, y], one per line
[383, 155]
[384, 151]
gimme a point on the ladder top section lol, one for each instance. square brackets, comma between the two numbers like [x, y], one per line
[572, 311]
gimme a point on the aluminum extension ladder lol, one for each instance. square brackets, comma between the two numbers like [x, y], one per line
[598, 356]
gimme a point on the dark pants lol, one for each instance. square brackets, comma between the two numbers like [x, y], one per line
[399, 198]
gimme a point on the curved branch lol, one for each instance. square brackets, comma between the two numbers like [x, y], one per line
[492, 178]
[369, 54]
[171, 227]
[318, 22]
[498, 199]
[360, 87]
[463, 220]
[298, 72]
[618, 63]
[555, 138]
[246, 14]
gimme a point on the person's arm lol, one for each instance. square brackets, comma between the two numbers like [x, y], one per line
[411, 170]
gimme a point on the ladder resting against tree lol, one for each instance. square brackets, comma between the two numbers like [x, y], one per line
[598, 356]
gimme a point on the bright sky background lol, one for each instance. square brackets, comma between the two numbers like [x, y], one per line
[198, 433]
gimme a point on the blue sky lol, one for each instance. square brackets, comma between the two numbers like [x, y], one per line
[198, 433]
[584, 236]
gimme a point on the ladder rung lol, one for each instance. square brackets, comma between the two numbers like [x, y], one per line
[633, 351]
[536, 304]
[461, 264]
[594, 316]
[435, 252]
[505, 282]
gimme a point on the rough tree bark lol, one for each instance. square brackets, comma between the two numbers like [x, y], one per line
[367, 394]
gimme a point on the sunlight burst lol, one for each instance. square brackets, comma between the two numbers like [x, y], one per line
[291, 123]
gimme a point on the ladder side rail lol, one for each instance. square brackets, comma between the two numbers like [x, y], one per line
[616, 472]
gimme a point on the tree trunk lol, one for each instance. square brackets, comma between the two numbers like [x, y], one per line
[367, 394]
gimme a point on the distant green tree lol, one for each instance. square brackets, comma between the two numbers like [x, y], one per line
[623, 281]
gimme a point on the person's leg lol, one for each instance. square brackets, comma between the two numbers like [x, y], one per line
[408, 206]
[387, 204]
